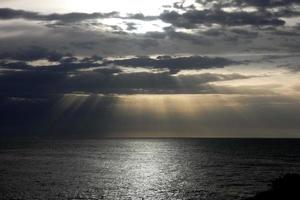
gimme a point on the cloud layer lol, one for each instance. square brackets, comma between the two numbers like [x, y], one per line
[188, 68]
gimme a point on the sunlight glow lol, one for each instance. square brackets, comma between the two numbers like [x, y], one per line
[130, 6]
[183, 115]
[138, 26]
[166, 106]
[152, 7]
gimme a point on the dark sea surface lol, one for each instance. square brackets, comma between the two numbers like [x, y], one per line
[212, 169]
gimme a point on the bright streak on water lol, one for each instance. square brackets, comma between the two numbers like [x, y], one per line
[143, 169]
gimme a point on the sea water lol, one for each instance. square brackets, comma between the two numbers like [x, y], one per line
[208, 169]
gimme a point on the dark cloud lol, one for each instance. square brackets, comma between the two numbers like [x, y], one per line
[17, 65]
[292, 46]
[286, 33]
[245, 33]
[97, 75]
[177, 63]
[171, 34]
[85, 44]
[287, 12]
[193, 18]
[193, 38]
[32, 53]
[266, 3]
[86, 41]
[69, 78]
[230, 35]
[293, 67]
[131, 26]
[140, 16]
[64, 64]
[261, 4]
[7, 13]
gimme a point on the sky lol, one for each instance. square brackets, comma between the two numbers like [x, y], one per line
[159, 68]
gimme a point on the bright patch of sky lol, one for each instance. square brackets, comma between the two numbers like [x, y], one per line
[135, 26]
[153, 7]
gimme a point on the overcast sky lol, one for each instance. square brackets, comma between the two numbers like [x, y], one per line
[157, 68]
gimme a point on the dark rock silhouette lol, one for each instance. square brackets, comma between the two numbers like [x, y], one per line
[283, 188]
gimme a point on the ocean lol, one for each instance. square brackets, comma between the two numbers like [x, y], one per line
[208, 169]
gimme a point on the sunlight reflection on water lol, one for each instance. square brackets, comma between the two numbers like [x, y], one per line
[143, 169]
